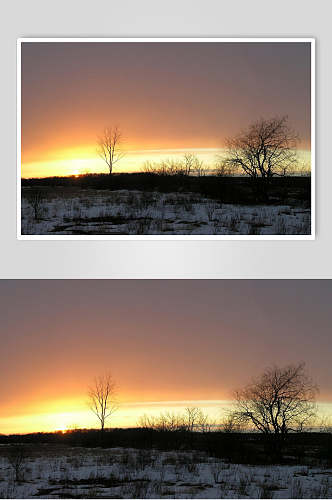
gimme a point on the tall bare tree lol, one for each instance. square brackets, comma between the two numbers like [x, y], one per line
[109, 147]
[102, 398]
[281, 400]
[267, 149]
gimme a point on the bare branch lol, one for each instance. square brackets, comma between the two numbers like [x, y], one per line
[267, 149]
[109, 147]
[281, 400]
[102, 398]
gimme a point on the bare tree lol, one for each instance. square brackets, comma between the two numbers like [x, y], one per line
[281, 400]
[17, 456]
[102, 398]
[147, 422]
[224, 168]
[192, 416]
[170, 422]
[170, 166]
[35, 200]
[166, 422]
[191, 164]
[149, 167]
[199, 168]
[109, 147]
[230, 423]
[204, 424]
[325, 424]
[193, 419]
[265, 150]
[196, 420]
[166, 167]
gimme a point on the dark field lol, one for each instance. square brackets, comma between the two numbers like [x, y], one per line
[142, 463]
[150, 204]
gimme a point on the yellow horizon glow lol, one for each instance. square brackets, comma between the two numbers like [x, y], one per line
[69, 414]
[79, 161]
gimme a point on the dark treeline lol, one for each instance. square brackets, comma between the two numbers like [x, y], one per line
[293, 190]
[250, 448]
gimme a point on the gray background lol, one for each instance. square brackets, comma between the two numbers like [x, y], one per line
[167, 259]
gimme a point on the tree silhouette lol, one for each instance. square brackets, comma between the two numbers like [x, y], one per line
[281, 400]
[267, 149]
[109, 147]
[102, 398]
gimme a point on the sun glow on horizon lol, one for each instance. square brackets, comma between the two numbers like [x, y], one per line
[69, 415]
[81, 161]
[78, 161]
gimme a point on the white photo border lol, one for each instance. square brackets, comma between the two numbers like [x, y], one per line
[310, 40]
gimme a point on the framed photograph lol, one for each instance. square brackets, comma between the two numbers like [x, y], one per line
[166, 138]
[182, 398]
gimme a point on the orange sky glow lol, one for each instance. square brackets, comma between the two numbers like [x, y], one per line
[167, 99]
[168, 343]
[71, 413]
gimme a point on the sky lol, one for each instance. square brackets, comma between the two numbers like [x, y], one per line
[168, 344]
[167, 98]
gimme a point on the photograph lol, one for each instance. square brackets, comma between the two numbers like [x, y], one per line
[166, 138]
[166, 389]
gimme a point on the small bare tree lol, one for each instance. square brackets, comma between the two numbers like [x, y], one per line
[281, 400]
[192, 416]
[147, 422]
[193, 165]
[170, 422]
[196, 420]
[102, 398]
[190, 163]
[204, 424]
[193, 419]
[199, 168]
[230, 423]
[17, 456]
[109, 147]
[325, 424]
[224, 168]
[35, 200]
[149, 167]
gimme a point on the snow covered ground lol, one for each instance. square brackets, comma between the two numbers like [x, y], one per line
[98, 212]
[49, 472]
